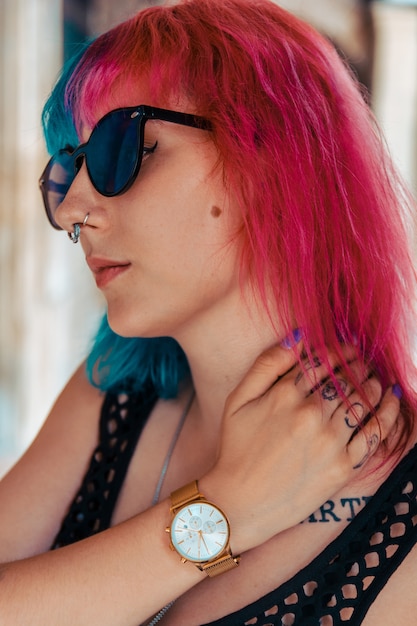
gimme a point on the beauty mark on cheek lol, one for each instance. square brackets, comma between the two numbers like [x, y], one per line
[215, 211]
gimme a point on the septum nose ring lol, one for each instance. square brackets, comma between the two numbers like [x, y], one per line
[75, 234]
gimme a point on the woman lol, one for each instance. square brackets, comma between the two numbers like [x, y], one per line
[230, 190]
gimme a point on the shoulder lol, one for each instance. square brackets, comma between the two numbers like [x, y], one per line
[45, 479]
[73, 421]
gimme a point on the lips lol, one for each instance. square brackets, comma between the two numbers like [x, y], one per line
[105, 270]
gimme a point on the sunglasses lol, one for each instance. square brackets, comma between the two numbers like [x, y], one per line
[113, 154]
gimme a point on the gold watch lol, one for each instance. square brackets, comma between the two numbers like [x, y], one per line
[200, 532]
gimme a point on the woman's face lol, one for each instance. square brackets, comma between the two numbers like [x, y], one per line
[165, 252]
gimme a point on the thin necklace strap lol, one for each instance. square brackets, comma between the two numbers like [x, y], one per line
[171, 448]
[162, 475]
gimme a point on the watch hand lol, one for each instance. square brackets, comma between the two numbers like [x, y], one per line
[205, 545]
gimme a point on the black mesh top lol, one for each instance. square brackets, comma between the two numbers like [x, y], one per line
[337, 587]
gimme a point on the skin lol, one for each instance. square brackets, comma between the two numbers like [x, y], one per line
[177, 234]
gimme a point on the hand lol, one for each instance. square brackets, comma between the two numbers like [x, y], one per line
[289, 441]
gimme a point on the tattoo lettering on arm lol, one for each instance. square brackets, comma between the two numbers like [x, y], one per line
[327, 513]
[343, 510]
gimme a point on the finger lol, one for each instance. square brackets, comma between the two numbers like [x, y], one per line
[268, 367]
[334, 391]
[350, 415]
[388, 412]
[366, 442]
[312, 372]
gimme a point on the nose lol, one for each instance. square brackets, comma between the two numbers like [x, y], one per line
[78, 201]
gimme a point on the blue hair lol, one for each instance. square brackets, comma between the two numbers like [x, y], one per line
[115, 363]
[57, 121]
[125, 364]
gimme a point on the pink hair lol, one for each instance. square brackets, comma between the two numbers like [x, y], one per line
[325, 215]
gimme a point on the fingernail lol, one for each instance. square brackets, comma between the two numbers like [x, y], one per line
[292, 339]
[397, 391]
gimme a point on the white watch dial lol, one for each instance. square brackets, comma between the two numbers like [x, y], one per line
[199, 532]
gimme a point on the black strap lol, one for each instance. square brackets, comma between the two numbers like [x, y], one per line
[122, 420]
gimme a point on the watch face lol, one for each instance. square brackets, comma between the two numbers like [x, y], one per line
[199, 532]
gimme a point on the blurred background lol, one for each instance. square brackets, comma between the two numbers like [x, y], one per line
[49, 307]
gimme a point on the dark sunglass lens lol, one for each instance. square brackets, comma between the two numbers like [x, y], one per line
[58, 180]
[113, 152]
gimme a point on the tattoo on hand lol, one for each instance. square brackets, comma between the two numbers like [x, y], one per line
[329, 390]
[373, 443]
[357, 410]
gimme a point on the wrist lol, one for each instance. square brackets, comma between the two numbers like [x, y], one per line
[243, 534]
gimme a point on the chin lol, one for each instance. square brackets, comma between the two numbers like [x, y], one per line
[129, 331]
[133, 327]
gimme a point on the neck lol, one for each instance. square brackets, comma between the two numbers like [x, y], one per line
[222, 348]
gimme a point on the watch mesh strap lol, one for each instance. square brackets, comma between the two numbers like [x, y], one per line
[221, 565]
[181, 496]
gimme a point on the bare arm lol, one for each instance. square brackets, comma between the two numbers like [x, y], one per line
[127, 573]
[120, 576]
[34, 495]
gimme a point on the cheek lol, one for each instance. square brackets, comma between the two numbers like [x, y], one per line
[179, 215]
[186, 209]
